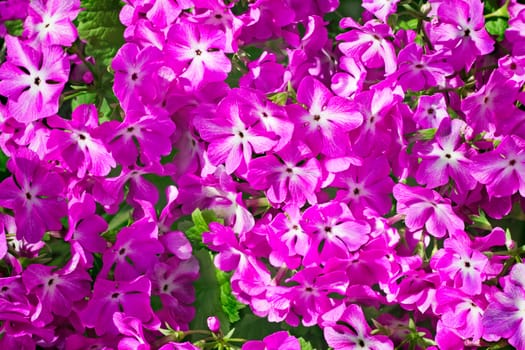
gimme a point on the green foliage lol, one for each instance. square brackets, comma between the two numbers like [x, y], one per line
[208, 294]
[99, 25]
[156, 303]
[497, 27]
[305, 345]
[4, 173]
[14, 27]
[194, 230]
[230, 305]
[481, 221]
[253, 327]
[496, 18]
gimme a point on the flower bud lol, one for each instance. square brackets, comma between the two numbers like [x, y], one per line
[214, 324]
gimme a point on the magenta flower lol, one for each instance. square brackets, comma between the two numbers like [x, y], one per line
[135, 251]
[273, 117]
[382, 9]
[378, 130]
[291, 175]
[34, 192]
[430, 111]
[132, 298]
[426, 208]
[334, 232]
[461, 29]
[172, 281]
[446, 158]
[327, 120]
[131, 328]
[32, 79]
[85, 228]
[134, 69]
[73, 142]
[287, 239]
[459, 263]
[313, 291]
[493, 102]
[504, 317]
[417, 71]
[462, 313]
[140, 137]
[345, 328]
[366, 187]
[234, 134]
[197, 52]
[503, 169]
[276, 341]
[56, 290]
[370, 42]
[50, 22]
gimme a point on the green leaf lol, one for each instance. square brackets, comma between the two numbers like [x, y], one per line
[100, 26]
[85, 98]
[490, 6]
[156, 303]
[208, 294]
[14, 27]
[497, 26]
[253, 52]
[481, 221]
[253, 327]
[3, 162]
[305, 345]
[230, 305]
[409, 24]
[279, 98]
[200, 220]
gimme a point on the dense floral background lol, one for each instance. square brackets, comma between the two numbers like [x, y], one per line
[262, 174]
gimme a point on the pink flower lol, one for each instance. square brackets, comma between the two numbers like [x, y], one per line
[134, 69]
[327, 120]
[135, 251]
[345, 328]
[197, 52]
[32, 79]
[49, 22]
[334, 232]
[290, 175]
[461, 29]
[493, 102]
[313, 292]
[234, 135]
[462, 313]
[446, 157]
[34, 192]
[505, 315]
[276, 341]
[172, 281]
[109, 297]
[370, 43]
[382, 9]
[459, 263]
[503, 169]
[141, 137]
[417, 71]
[426, 208]
[366, 187]
[56, 290]
[74, 143]
[430, 111]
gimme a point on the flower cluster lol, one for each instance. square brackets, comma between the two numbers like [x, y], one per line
[366, 177]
